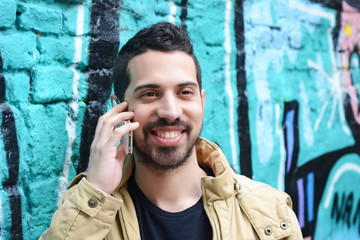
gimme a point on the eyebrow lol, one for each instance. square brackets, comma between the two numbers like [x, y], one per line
[153, 85]
[150, 85]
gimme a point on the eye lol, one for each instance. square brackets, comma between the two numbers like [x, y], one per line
[148, 94]
[186, 92]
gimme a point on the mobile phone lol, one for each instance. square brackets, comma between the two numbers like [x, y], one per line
[127, 140]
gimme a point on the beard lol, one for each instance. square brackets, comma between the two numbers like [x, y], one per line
[164, 158]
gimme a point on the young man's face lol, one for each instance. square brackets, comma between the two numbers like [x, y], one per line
[165, 96]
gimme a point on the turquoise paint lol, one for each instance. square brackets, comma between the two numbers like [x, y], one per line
[7, 13]
[84, 53]
[273, 12]
[5, 215]
[136, 15]
[208, 37]
[326, 225]
[55, 49]
[76, 147]
[355, 72]
[52, 84]
[40, 18]
[47, 138]
[18, 50]
[70, 16]
[17, 87]
[283, 81]
[42, 203]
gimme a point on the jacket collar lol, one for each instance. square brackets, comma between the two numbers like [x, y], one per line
[222, 185]
[210, 155]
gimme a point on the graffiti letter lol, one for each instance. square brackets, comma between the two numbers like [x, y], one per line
[357, 215]
[348, 207]
[336, 210]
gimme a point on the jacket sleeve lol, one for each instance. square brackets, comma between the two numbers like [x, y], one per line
[85, 213]
[297, 235]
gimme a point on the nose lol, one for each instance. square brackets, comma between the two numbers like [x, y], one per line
[169, 107]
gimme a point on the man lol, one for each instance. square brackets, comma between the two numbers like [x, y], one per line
[175, 185]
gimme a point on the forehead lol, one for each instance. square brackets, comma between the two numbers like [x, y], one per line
[162, 67]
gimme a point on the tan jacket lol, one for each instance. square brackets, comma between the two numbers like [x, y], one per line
[237, 207]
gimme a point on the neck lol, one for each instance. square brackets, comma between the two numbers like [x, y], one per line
[172, 190]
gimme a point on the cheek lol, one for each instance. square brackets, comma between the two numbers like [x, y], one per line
[195, 113]
[141, 115]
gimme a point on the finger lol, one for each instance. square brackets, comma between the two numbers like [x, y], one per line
[117, 109]
[110, 123]
[119, 132]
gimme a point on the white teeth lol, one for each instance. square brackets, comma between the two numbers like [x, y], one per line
[168, 135]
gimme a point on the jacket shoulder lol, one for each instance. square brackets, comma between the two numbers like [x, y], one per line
[268, 209]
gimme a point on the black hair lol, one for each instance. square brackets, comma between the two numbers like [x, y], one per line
[162, 36]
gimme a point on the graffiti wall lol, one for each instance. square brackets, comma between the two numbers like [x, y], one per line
[282, 79]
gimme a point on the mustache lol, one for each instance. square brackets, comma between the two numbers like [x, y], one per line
[163, 122]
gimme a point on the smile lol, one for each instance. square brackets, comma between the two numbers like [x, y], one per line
[168, 134]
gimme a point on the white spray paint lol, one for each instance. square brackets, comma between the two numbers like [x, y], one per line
[308, 131]
[336, 82]
[172, 13]
[72, 109]
[336, 92]
[264, 109]
[346, 167]
[0, 219]
[280, 133]
[313, 10]
[228, 85]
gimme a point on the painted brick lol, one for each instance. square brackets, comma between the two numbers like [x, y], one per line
[82, 87]
[60, 49]
[70, 15]
[39, 18]
[43, 203]
[6, 214]
[17, 87]
[84, 52]
[18, 50]
[7, 13]
[72, 1]
[51, 84]
[47, 138]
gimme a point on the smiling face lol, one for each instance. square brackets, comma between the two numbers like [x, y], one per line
[165, 96]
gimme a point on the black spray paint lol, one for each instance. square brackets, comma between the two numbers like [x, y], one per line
[8, 131]
[183, 15]
[319, 167]
[243, 114]
[103, 49]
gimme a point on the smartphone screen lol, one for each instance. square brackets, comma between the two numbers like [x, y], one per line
[127, 140]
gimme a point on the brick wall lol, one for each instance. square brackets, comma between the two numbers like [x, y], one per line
[282, 85]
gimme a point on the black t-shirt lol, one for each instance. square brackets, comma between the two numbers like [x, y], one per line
[157, 224]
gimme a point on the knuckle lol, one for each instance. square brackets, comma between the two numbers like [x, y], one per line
[101, 119]
[95, 148]
[119, 130]
[107, 122]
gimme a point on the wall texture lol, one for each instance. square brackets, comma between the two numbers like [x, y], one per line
[282, 79]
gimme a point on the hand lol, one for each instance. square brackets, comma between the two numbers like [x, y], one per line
[106, 159]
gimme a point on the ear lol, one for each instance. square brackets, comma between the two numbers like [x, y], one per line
[114, 100]
[203, 98]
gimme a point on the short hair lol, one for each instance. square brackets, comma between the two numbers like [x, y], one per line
[162, 36]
